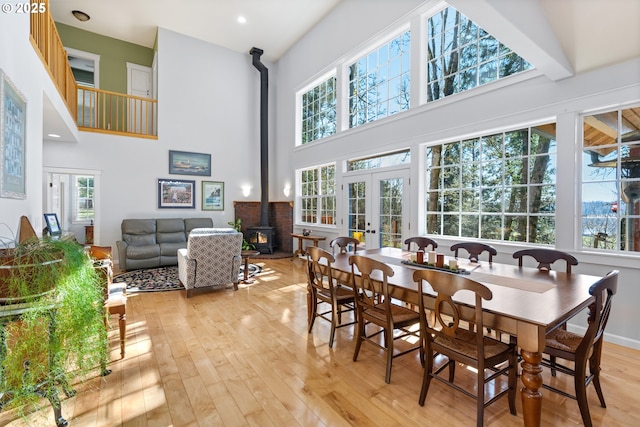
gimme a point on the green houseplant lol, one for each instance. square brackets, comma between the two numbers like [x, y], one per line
[237, 225]
[51, 309]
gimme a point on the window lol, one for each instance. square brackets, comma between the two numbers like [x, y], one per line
[319, 111]
[498, 187]
[318, 195]
[83, 206]
[462, 55]
[379, 82]
[611, 180]
[383, 161]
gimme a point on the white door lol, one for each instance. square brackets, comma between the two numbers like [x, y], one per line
[139, 84]
[377, 208]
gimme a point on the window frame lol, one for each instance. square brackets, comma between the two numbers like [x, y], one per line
[316, 200]
[331, 74]
[75, 191]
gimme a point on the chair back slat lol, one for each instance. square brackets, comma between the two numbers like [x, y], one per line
[343, 243]
[475, 249]
[319, 273]
[423, 243]
[546, 257]
[371, 286]
[603, 291]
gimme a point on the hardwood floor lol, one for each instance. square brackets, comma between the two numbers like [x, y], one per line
[244, 358]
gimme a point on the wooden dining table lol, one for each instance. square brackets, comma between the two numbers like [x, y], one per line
[527, 303]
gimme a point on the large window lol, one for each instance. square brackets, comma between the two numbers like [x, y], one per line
[83, 191]
[611, 180]
[379, 82]
[318, 195]
[461, 55]
[319, 111]
[498, 187]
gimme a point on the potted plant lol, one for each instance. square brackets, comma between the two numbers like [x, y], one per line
[52, 318]
[237, 225]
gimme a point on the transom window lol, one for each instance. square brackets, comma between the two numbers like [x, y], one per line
[379, 82]
[611, 180]
[318, 195]
[461, 55]
[319, 111]
[500, 186]
[385, 160]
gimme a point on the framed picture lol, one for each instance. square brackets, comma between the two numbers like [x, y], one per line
[53, 225]
[13, 115]
[212, 196]
[185, 163]
[176, 194]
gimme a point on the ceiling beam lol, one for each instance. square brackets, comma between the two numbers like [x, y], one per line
[524, 28]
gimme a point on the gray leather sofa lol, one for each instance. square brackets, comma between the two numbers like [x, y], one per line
[149, 243]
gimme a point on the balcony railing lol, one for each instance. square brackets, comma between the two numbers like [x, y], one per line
[95, 110]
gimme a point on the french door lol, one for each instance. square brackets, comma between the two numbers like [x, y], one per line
[377, 205]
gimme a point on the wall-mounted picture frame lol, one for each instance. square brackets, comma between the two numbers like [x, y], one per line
[186, 163]
[176, 194]
[212, 196]
[13, 128]
[53, 225]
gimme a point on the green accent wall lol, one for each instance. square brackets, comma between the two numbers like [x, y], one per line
[114, 55]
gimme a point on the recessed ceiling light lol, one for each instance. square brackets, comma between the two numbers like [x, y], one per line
[80, 15]
[53, 135]
[242, 19]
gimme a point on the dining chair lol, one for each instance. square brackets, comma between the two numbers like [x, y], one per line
[421, 242]
[343, 243]
[475, 249]
[583, 350]
[324, 290]
[546, 257]
[447, 337]
[374, 306]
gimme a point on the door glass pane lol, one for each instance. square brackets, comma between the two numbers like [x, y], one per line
[357, 210]
[391, 213]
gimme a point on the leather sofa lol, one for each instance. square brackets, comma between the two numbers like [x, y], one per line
[149, 243]
[211, 260]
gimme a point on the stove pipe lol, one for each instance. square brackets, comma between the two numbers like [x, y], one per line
[264, 136]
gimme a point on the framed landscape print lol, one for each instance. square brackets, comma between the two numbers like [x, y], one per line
[185, 163]
[176, 194]
[13, 109]
[212, 196]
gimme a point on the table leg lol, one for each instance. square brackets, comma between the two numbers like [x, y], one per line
[532, 381]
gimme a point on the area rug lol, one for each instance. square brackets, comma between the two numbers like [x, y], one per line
[163, 278]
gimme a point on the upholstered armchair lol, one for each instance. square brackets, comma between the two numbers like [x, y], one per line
[211, 259]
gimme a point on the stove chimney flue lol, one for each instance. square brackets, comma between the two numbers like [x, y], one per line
[264, 134]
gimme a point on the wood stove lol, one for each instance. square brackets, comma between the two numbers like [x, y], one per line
[263, 238]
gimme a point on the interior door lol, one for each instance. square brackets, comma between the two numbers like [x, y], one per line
[377, 207]
[139, 84]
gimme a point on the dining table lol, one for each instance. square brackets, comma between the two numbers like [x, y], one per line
[527, 303]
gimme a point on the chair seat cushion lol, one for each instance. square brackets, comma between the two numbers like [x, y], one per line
[465, 343]
[401, 315]
[563, 340]
[143, 252]
[342, 293]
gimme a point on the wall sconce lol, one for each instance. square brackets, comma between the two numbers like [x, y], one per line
[246, 190]
[287, 190]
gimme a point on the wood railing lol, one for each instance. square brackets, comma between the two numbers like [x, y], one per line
[112, 112]
[95, 110]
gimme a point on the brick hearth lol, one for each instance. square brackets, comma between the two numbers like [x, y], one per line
[280, 217]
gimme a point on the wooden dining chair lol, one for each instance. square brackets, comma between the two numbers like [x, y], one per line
[421, 242]
[343, 243]
[583, 350]
[323, 289]
[447, 337]
[475, 249]
[546, 257]
[374, 306]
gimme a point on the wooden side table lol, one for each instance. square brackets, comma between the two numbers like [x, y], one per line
[301, 237]
[245, 257]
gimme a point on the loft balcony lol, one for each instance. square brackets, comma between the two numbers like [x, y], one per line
[95, 110]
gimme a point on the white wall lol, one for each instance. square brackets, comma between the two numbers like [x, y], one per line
[520, 100]
[207, 103]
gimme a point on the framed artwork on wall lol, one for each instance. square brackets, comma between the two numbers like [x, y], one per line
[13, 115]
[186, 163]
[176, 194]
[212, 196]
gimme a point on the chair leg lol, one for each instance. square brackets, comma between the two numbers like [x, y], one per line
[335, 320]
[313, 310]
[513, 382]
[581, 392]
[594, 369]
[480, 399]
[426, 377]
[388, 333]
[359, 335]
[552, 362]
[122, 324]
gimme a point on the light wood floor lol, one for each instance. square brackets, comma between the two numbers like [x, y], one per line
[245, 358]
